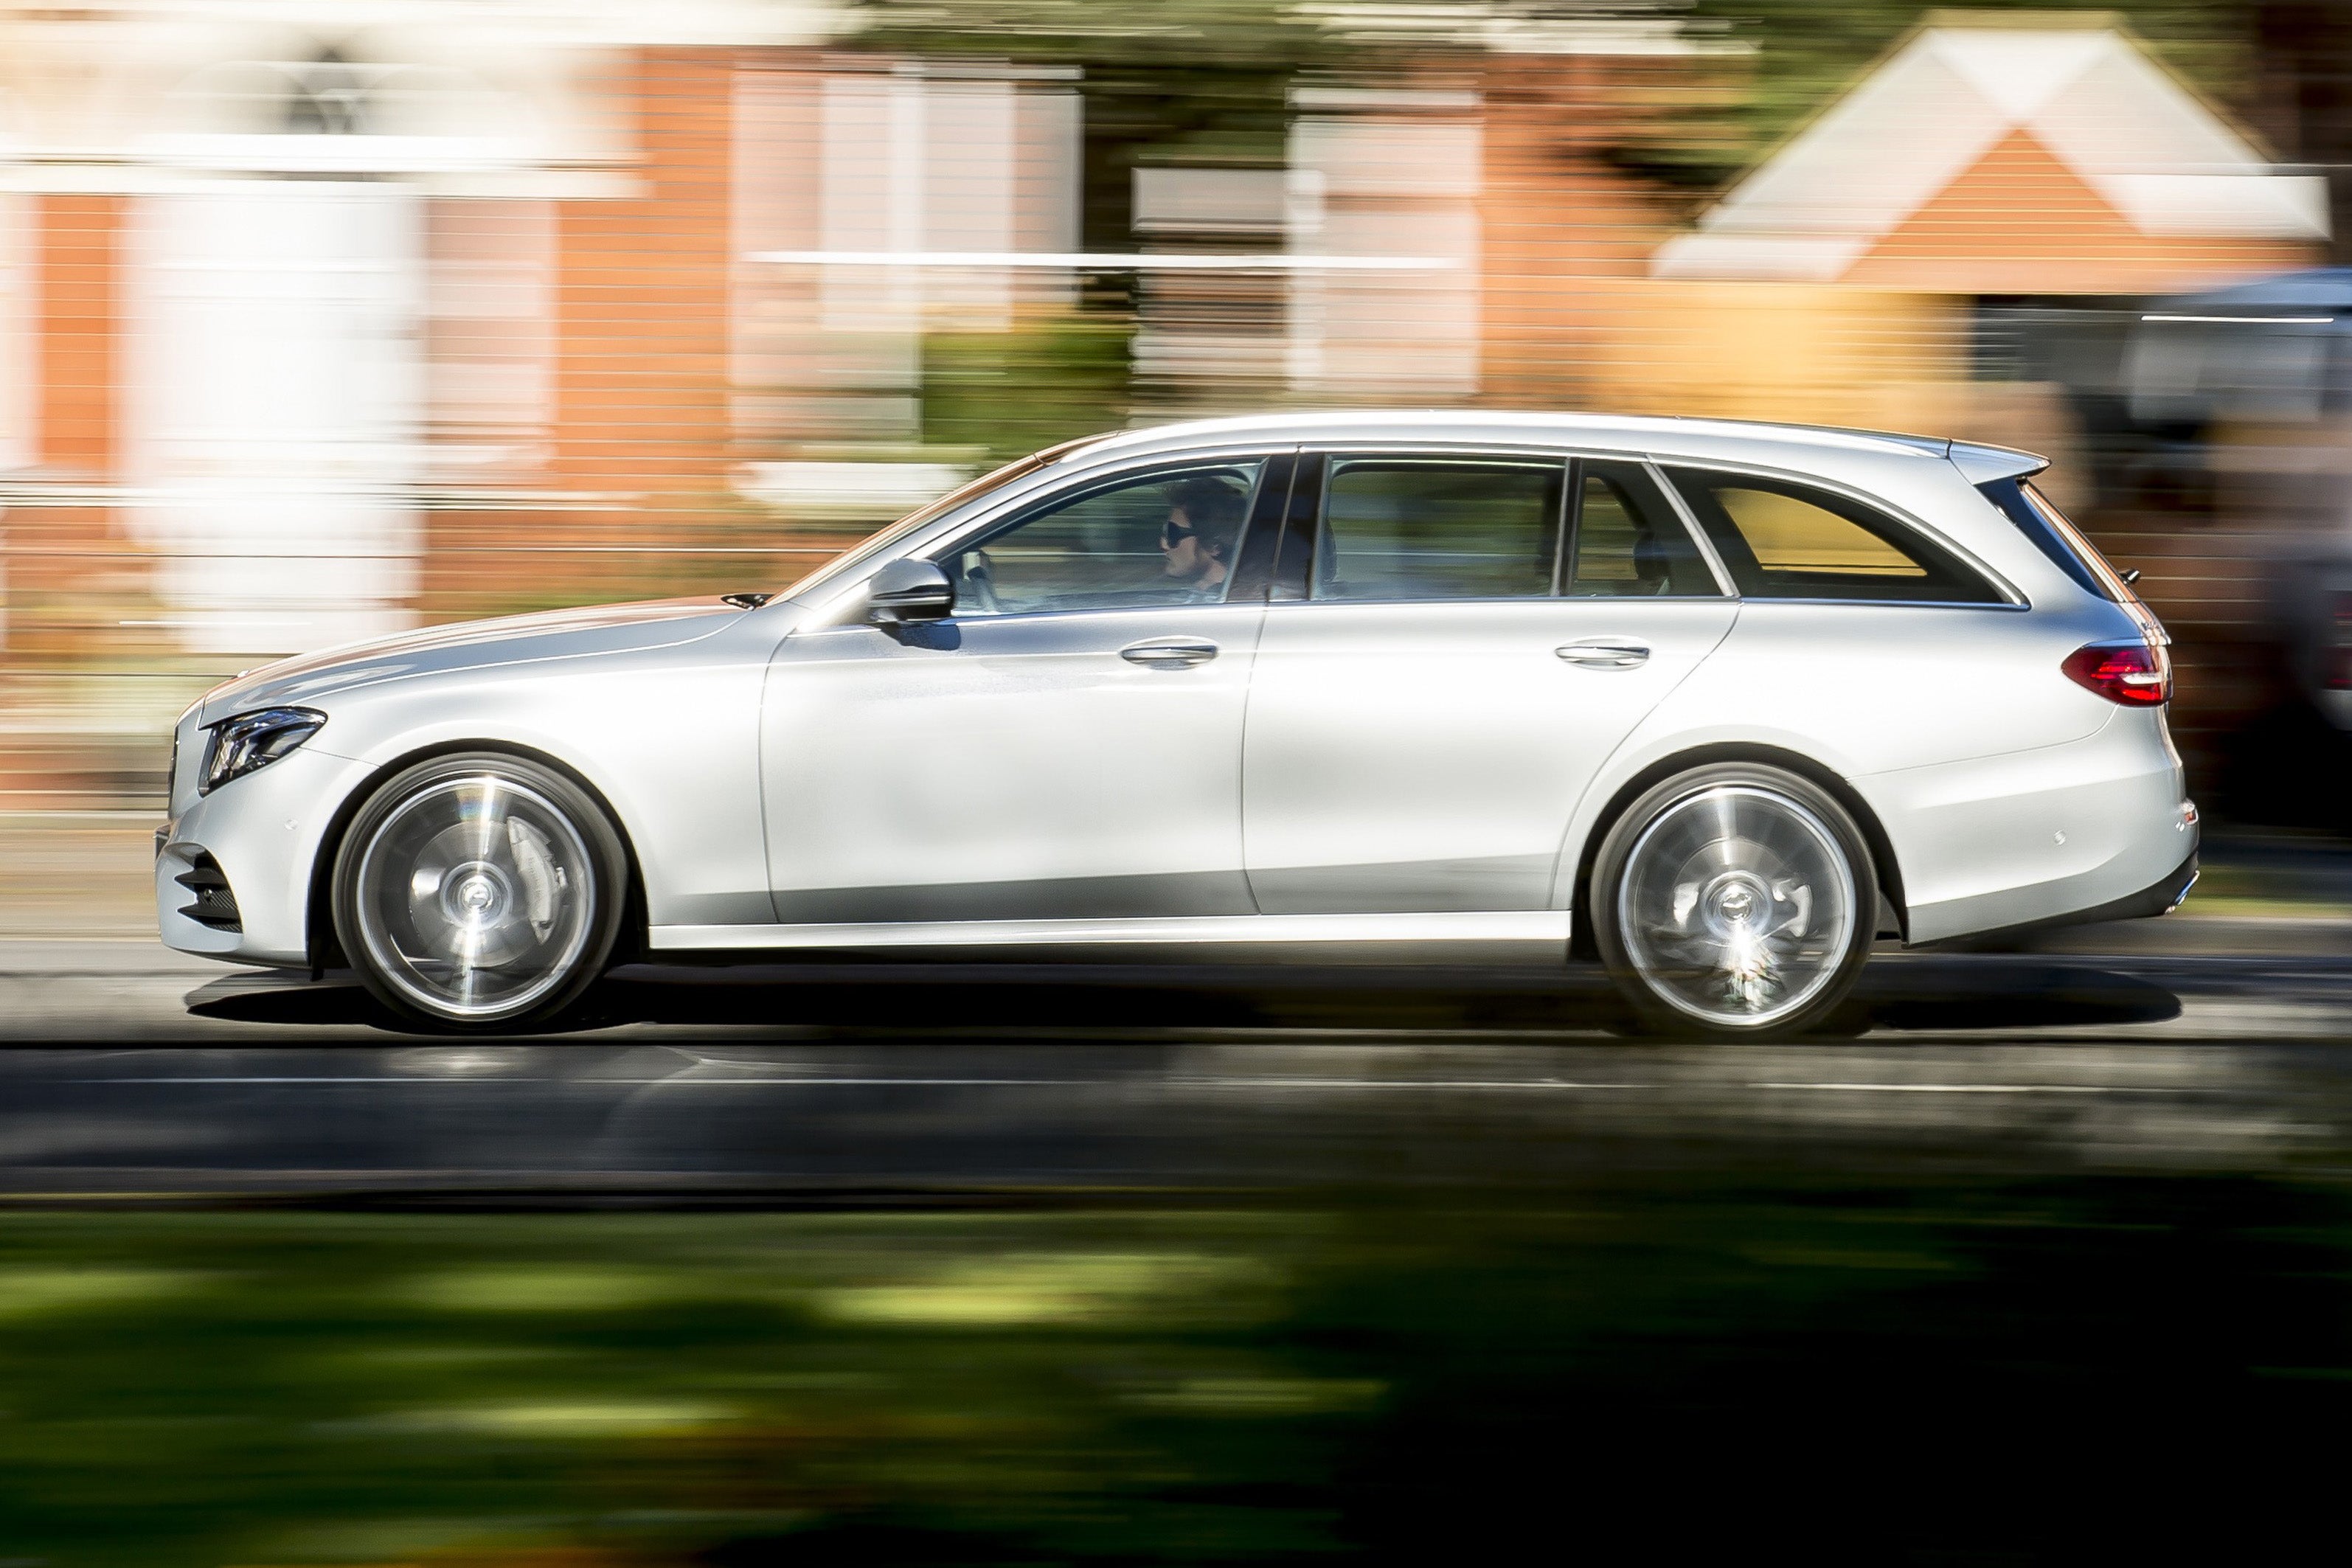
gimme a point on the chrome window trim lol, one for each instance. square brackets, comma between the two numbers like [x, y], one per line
[2001, 608]
[2010, 597]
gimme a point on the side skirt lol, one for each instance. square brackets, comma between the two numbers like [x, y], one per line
[1548, 926]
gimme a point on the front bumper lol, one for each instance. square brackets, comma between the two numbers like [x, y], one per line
[263, 835]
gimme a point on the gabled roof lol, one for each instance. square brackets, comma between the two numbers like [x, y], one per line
[2165, 163]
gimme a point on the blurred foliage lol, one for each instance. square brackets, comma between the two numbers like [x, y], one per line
[1011, 393]
[1167, 35]
[1204, 80]
[1916, 1369]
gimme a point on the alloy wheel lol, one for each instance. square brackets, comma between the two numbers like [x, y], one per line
[475, 897]
[1736, 906]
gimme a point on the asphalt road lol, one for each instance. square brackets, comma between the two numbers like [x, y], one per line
[133, 1073]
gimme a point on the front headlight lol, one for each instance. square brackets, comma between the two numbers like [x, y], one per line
[256, 739]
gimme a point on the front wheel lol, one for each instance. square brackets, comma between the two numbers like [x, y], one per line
[1735, 901]
[479, 891]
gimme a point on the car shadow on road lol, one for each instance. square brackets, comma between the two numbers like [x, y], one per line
[1938, 993]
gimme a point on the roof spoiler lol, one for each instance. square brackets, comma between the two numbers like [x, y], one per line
[1982, 465]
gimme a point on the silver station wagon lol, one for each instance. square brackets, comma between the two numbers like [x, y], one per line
[1718, 704]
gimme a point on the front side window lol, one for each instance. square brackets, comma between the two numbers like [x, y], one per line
[1438, 528]
[1167, 537]
[1780, 540]
[1629, 543]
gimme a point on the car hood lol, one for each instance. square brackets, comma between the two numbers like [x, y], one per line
[511, 639]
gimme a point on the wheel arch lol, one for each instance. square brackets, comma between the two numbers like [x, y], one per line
[1582, 942]
[321, 946]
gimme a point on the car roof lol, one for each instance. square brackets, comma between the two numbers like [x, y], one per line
[1662, 435]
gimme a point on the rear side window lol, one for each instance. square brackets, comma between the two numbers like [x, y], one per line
[1409, 527]
[2053, 536]
[1781, 539]
[1629, 543]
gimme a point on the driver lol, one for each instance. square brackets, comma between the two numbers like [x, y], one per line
[1205, 516]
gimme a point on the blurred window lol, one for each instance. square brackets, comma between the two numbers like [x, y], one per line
[1629, 541]
[1167, 537]
[1786, 540]
[1411, 528]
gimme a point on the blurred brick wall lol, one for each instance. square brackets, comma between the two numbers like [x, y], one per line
[63, 557]
[639, 445]
[1565, 229]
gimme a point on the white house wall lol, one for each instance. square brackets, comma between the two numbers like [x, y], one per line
[1402, 185]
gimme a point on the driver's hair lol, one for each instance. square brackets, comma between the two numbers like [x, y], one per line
[1214, 507]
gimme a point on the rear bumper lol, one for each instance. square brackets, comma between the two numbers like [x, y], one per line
[2161, 896]
[2055, 835]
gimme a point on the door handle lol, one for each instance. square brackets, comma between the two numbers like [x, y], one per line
[1169, 653]
[1605, 653]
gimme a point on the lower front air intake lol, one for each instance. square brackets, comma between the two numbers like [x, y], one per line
[216, 905]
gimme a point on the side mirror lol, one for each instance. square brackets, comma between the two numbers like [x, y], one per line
[909, 591]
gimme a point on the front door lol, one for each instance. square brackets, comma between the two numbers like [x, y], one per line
[1066, 746]
[1476, 636]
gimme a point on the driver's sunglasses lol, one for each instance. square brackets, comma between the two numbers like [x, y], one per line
[1172, 531]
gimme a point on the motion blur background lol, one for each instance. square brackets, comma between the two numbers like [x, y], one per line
[331, 317]
[325, 318]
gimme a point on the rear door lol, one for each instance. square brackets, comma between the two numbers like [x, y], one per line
[1457, 643]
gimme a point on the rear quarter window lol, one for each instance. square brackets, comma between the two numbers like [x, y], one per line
[2053, 536]
[1783, 540]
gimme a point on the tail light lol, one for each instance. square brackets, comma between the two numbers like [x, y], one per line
[2136, 674]
[2339, 669]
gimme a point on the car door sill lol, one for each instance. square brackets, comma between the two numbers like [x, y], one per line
[1504, 925]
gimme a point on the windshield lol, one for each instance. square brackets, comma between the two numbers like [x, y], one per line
[857, 555]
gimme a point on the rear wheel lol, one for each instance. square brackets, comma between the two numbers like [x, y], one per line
[479, 891]
[1734, 901]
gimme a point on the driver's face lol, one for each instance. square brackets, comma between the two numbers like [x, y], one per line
[1182, 547]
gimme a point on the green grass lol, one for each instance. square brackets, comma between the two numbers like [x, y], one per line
[1383, 1380]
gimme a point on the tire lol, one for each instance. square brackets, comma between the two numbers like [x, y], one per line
[479, 891]
[1678, 885]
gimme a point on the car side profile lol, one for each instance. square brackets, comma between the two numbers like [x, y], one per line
[1715, 703]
